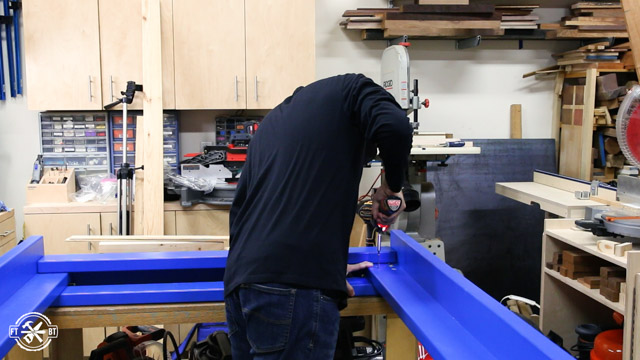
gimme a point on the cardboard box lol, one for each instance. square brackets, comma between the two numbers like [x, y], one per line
[56, 186]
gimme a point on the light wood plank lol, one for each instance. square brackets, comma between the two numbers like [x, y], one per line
[586, 162]
[138, 202]
[570, 150]
[153, 219]
[557, 112]
[151, 238]
[516, 121]
[88, 316]
[168, 66]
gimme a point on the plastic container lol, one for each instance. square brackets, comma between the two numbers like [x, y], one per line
[117, 133]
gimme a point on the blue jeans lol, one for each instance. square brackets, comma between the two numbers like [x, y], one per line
[278, 322]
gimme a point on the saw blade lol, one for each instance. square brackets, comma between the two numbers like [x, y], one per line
[628, 126]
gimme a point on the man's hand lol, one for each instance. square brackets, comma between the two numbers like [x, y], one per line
[355, 267]
[381, 194]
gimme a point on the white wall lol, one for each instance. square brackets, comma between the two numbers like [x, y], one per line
[470, 91]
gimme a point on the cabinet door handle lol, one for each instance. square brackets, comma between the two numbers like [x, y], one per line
[7, 233]
[110, 228]
[111, 86]
[235, 84]
[90, 91]
[89, 233]
[256, 88]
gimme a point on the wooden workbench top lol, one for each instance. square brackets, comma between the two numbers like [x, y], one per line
[118, 315]
[110, 207]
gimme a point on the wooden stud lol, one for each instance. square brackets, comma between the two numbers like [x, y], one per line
[153, 219]
[586, 162]
[557, 111]
[138, 208]
[516, 121]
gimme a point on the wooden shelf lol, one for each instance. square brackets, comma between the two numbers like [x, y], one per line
[556, 201]
[109, 207]
[586, 241]
[592, 293]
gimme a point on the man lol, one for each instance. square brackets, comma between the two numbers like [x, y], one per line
[292, 215]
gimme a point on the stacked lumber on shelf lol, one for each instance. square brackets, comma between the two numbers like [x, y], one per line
[611, 280]
[517, 16]
[577, 264]
[590, 20]
[428, 20]
[598, 53]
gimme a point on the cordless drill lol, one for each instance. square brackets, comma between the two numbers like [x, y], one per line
[389, 206]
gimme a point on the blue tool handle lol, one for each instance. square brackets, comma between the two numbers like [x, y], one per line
[10, 59]
[456, 144]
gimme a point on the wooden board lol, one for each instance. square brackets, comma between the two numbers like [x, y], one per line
[368, 11]
[570, 146]
[362, 25]
[439, 32]
[596, 5]
[516, 121]
[138, 203]
[575, 33]
[472, 8]
[153, 219]
[587, 120]
[442, 17]
[443, 2]
[632, 17]
[599, 12]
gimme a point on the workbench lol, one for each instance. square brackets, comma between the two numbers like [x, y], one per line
[70, 320]
[449, 315]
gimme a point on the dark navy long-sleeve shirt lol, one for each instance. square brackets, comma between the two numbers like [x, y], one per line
[296, 199]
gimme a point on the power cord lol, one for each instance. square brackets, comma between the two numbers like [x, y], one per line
[362, 352]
